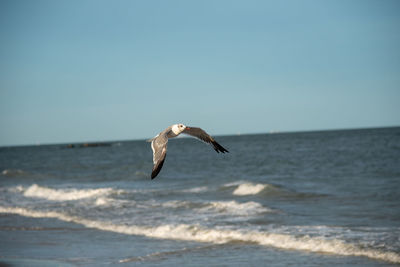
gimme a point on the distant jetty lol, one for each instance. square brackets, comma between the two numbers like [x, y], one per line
[84, 145]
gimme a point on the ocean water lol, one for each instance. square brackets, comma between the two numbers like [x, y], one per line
[327, 198]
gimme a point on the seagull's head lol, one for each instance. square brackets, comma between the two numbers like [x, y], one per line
[178, 128]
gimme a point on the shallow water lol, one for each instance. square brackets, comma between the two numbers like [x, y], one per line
[303, 199]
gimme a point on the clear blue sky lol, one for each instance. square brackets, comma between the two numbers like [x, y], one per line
[75, 71]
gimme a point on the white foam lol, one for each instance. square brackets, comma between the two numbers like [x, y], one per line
[235, 208]
[218, 207]
[37, 191]
[175, 204]
[234, 183]
[16, 189]
[200, 234]
[196, 189]
[249, 189]
[103, 201]
[112, 202]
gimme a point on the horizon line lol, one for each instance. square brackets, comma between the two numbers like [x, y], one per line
[111, 141]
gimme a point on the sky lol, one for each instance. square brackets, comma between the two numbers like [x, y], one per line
[93, 70]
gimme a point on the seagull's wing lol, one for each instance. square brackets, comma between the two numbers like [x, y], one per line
[205, 137]
[159, 147]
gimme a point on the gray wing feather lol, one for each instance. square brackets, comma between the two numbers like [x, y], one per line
[205, 137]
[159, 147]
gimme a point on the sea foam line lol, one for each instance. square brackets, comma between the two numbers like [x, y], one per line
[224, 207]
[235, 208]
[244, 188]
[218, 236]
[249, 189]
[37, 191]
[195, 233]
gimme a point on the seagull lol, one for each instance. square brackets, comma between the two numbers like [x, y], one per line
[159, 143]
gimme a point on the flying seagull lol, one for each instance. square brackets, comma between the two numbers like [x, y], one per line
[159, 143]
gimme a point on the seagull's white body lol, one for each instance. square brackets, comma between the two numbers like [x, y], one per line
[159, 143]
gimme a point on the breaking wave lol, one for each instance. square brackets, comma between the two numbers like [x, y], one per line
[249, 189]
[244, 188]
[235, 208]
[219, 236]
[37, 191]
[221, 207]
[200, 189]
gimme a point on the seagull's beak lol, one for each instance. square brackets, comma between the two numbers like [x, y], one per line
[187, 128]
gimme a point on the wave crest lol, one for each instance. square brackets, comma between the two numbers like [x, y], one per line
[37, 191]
[200, 189]
[220, 207]
[235, 208]
[249, 189]
[219, 236]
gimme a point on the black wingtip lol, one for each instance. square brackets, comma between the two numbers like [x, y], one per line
[219, 148]
[156, 170]
[154, 174]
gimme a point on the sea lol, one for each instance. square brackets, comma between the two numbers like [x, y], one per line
[323, 198]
